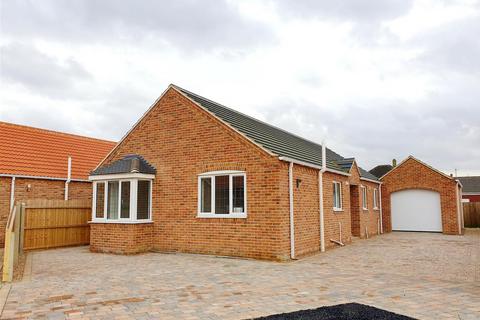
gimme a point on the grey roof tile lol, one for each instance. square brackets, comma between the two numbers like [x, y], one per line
[470, 184]
[132, 163]
[380, 170]
[276, 140]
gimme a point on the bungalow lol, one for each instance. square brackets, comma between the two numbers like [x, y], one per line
[43, 164]
[195, 176]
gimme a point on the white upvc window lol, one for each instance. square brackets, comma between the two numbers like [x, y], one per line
[122, 200]
[364, 198]
[375, 199]
[337, 196]
[222, 194]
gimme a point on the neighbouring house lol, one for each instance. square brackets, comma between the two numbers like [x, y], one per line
[195, 176]
[34, 165]
[417, 197]
[471, 188]
[381, 170]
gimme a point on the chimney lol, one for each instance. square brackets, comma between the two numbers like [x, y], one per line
[135, 165]
[394, 163]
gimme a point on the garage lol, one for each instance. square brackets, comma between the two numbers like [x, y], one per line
[416, 210]
[417, 197]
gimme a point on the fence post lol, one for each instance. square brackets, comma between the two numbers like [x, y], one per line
[16, 234]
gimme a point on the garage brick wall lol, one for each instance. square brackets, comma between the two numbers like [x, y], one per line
[412, 174]
[39, 189]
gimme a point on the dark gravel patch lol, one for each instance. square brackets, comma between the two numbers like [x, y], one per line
[348, 311]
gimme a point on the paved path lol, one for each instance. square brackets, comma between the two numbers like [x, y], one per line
[428, 276]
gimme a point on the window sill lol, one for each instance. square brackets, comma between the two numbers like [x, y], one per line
[121, 222]
[222, 216]
[376, 209]
[365, 209]
[337, 210]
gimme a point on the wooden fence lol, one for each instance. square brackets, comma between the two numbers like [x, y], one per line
[55, 223]
[471, 214]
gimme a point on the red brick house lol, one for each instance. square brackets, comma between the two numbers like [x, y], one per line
[471, 188]
[417, 197]
[195, 176]
[34, 165]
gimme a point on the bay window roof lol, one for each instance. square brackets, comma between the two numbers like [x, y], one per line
[132, 163]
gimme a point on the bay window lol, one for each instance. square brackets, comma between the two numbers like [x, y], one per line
[222, 194]
[122, 200]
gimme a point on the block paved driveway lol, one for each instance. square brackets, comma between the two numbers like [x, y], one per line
[428, 276]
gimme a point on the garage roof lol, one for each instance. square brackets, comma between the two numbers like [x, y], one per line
[28, 151]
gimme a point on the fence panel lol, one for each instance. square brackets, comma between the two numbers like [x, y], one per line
[471, 214]
[56, 223]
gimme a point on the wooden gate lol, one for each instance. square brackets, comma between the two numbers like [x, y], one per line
[471, 214]
[55, 223]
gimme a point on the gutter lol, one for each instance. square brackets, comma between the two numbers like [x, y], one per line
[69, 176]
[41, 178]
[12, 193]
[306, 164]
[292, 226]
[381, 212]
[459, 210]
[320, 197]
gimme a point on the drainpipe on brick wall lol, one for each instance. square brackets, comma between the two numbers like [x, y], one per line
[458, 209]
[320, 196]
[292, 226]
[380, 203]
[12, 194]
[69, 176]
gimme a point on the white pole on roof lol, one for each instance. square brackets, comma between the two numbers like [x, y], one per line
[320, 196]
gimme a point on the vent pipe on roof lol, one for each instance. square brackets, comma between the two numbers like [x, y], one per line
[69, 176]
[394, 163]
[135, 165]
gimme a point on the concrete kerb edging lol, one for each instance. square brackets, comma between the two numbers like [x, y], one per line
[4, 292]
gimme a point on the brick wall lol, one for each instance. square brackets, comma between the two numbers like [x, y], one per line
[414, 175]
[182, 141]
[27, 189]
[121, 238]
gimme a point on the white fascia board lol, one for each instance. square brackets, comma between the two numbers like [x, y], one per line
[370, 180]
[306, 164]
[40, 177]
[122, 176]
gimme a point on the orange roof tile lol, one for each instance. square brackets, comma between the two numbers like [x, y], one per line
[37, 152]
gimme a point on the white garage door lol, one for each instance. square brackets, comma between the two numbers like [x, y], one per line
[416, 210]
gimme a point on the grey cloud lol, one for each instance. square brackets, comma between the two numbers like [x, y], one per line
[41, 73]
[189, 24]
[360, 11]
[452, 47]
[441, 131]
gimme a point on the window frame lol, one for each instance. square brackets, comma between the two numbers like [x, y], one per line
[340, 196]
[212, 175]
[133, 200]
[364, 197]
[375, 198]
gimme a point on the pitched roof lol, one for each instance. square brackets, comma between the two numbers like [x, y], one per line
[346, 164]
[271, 138]
[132, 163]
[470, 184]
[29, 151]
[381, 170]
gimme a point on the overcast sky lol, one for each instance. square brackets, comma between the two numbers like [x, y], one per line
[378, 79]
